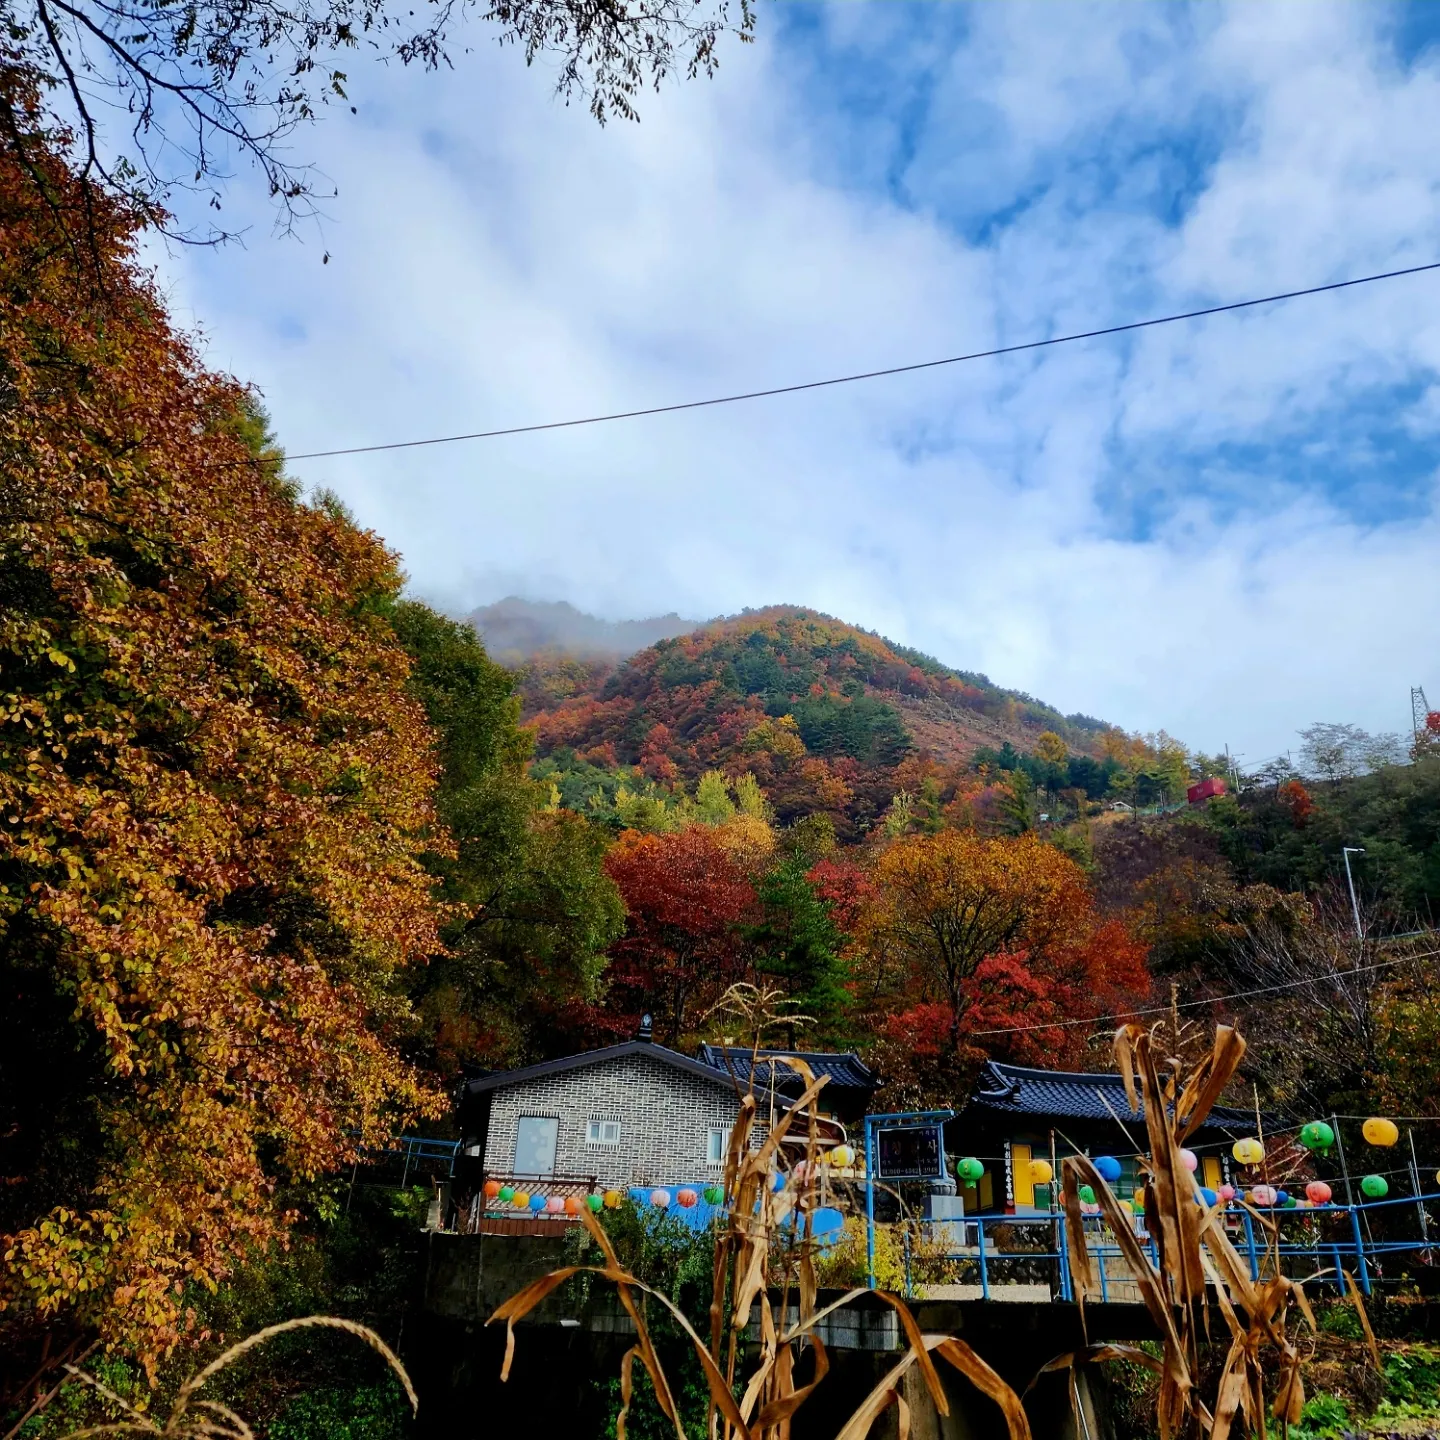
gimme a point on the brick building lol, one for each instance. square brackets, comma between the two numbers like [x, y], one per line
[635, 1114]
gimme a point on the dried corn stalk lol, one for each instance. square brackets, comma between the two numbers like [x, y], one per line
[192, 1418]
[1197, 1265]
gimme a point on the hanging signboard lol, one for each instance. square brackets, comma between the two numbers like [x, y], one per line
[910, 1152]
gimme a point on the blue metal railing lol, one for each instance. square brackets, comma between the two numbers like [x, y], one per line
[413, 1150]
[1320, 1242]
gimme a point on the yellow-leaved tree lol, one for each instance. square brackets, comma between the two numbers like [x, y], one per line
[214, 796]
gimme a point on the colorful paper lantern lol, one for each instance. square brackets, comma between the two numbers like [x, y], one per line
[1377, 1187]
[1317, 1192]
[1263, 1196]
[506, 1193]
[714, 1195]
[686, 1197]
[1109, 1168]
[968, 1170]
[1190, 1160]
[1041, 1172]
[555, 1205]
[1317, 1135]
[573, 1205]
[1226, 1193]
[660, 1199]
[520, 1199]
[842, 1156]
[492, 1189]
[1378, 1131]
[1283, 1200]
[612, 1199]
[595, 1202]
[537, 1203]
[1087, 1195]
[1248, 1152]
[1207, 1196]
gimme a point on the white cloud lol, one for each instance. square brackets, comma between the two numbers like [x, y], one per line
[499, 260]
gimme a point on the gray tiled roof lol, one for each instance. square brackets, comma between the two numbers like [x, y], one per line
[844, 1067]
[500, 1079]
[1016, 1090]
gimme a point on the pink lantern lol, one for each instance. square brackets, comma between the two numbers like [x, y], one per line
[1189, 1160]
[798, 1173]
[1317, 1192]
[687, 1198]
[1226, 1193]
[555, 1204]
[1263, 1196]
[660, 1199]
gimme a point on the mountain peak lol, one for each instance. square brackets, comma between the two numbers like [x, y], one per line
[514, 630]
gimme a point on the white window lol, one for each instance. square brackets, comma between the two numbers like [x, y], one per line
[717, 1142]
[602, 1132]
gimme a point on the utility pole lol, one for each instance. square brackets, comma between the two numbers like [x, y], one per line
[1347, 851]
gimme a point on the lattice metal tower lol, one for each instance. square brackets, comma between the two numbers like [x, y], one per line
[1420, 711]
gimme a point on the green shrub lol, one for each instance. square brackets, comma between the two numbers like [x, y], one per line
[356, 1412]
[1412, 1376]
[1323, 1415]
[1340, 1321]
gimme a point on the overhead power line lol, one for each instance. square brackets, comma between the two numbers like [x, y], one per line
[864, 374]
[1209, 999]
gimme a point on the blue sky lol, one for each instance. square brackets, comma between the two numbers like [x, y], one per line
[1227, 528]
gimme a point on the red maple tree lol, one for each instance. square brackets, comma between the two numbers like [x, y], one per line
[687, 899]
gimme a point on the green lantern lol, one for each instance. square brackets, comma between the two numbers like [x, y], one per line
[507, 1193]
[1377, 1187]
[595, 1202]
[1087, 1195]
[1317, 1135]
[969, 1170]
[714, 1195]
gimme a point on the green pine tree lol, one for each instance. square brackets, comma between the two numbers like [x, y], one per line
[799, 946]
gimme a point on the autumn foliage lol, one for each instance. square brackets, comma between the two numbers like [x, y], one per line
[687, 896]
[820, 712]
[214, 794]
[989, 946]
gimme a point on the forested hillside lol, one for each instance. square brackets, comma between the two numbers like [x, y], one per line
[822, 713]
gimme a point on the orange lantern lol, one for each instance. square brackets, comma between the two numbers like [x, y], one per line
[1379, 1131]
[492, 1189]
[572, 1204]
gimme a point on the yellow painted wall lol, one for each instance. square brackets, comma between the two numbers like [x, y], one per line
[1022, 1184]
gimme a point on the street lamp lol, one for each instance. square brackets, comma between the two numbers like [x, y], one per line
[1347, 851]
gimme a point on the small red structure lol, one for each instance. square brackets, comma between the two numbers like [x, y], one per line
[1197, 794]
